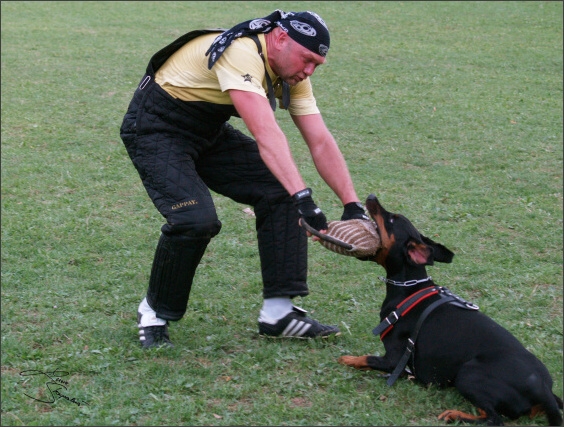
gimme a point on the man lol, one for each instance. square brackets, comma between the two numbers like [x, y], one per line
[177, 134]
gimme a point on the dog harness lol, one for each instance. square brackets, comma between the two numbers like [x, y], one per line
[407, 305]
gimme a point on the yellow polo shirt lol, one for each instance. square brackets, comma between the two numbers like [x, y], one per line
[185, 75]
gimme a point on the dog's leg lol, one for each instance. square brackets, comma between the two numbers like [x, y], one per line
[357, 362]
[367, 363]
[536, 411]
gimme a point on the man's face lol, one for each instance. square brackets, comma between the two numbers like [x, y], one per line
[295, 63]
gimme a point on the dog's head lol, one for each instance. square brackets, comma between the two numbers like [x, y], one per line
[401, 243]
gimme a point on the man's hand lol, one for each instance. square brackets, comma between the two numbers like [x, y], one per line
[354, 210]
[309, 210]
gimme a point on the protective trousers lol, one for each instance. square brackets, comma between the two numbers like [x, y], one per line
[183, 149]
[174, 265]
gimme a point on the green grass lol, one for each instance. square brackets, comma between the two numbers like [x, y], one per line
[450, 112]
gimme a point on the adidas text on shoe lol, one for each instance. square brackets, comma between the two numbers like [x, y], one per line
[295, 325]
[153, 336]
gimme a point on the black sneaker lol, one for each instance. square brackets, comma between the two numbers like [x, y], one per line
[153, 336]
[296, 325]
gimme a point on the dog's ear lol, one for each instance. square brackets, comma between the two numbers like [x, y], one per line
[440, 253]
[419, 253]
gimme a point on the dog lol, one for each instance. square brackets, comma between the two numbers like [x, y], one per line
[446, 341]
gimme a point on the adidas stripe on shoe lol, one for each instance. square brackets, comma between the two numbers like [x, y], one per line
[153, 336]
[295, 325]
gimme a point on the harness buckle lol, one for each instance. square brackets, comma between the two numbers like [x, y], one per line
[393, 320]
[461, 302]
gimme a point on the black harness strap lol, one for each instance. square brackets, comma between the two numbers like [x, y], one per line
[162, 55]
[411, 341]
[159, 58]
[270, 94]
[285, 95]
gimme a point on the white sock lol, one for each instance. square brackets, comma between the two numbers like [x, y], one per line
[148, 315]
[274, 309]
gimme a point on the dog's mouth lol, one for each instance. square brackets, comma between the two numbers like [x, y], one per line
[376, 227]
[375, 210]
[374, 224]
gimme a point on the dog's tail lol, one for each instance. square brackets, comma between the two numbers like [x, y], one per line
[548, 401]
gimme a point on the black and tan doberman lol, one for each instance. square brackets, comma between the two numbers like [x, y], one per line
[444, 340]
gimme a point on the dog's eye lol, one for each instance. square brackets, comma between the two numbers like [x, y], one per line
[391, 220]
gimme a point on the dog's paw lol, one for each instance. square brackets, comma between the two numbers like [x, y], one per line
[452, 415]
[346, 360]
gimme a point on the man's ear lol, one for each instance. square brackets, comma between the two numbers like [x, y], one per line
[280, 37]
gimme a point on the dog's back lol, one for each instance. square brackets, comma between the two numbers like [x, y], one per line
[463, 335]
[478, 356]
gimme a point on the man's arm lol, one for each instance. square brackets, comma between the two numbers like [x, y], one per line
[327, 156]
[273, 144]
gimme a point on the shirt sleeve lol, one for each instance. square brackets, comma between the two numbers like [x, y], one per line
[302, 100]
[241, 68]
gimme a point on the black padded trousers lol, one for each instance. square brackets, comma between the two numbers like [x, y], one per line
[178, 166]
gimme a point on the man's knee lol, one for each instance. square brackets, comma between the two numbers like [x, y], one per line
[199, 230]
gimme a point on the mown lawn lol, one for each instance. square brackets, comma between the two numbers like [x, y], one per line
[450, 112]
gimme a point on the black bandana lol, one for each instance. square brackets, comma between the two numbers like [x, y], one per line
[305, 28]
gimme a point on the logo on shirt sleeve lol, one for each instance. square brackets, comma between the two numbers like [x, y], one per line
[247, 77]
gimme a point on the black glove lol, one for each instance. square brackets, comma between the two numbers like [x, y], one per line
[354, 210]
[309, 212]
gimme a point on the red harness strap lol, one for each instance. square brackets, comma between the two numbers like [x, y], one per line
[402, 309]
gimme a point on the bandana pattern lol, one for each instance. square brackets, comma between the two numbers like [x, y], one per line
[305, 28]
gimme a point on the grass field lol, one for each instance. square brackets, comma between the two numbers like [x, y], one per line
[450, 112]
